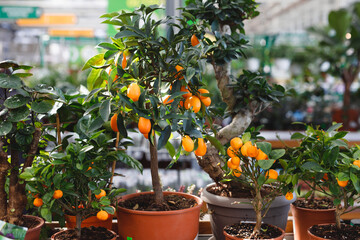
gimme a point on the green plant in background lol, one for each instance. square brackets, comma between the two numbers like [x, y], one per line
[327, 165]
[252, 163]
[20, 132]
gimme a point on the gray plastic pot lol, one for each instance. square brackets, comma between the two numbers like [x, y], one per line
[225, 211]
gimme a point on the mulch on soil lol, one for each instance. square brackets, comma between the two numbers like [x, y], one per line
[244, 230]
[317, 203]
[92, 233]
[236, 190]
[146, 202]
[346, 232]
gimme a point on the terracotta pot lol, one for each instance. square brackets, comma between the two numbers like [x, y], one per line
[88, 222]
[34, 233]
[223, 212]
[145, 225]
[304, 218]
[229, 237]
[53, 237]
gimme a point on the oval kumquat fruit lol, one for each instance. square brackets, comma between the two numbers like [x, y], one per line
[101, 194]
[194, 103]
[38, 202]
[231, 152]
[342, 183]
[206, 101]
[102, 215]
[272, 174]
[252, 151]
[166, 100]
[201, 150]
[245, 147]
[236, 143]
[235, 160]
[357, 163]
[133, 92]
[144, 125]
[230, 165]
[124, 62]
[194, 40]
[325, 177]
[187, 92]
[113, 123]
[237, 172]
[179, 69]
[289, 196]
[187, 143]
[58, 194]
[262, 155]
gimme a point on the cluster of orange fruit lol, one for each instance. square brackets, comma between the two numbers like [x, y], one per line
[188, 145]
[38, 202]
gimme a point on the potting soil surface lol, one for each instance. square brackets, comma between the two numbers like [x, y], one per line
[321, 203]
[30, 222]
[146, 202]
[236, 190]
[244, 230]
[346, 232]
[92, 233]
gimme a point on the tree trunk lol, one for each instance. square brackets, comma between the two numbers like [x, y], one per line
[156, 182]
[338, 213]
[78, 224]
[257, 206]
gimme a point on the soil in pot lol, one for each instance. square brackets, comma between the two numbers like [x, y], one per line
[146, 203]
[330, 231]
[34, 225]
[91, 233]
[244, 230]
[30, 223]
[235, 190]
[317, 203]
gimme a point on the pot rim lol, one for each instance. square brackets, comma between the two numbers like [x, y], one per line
[282, 232]
[58, 233]
[198, 200]
[230, 202]
[313, 210]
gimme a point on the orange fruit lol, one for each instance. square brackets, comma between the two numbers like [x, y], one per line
[230, 164]
[38, 202]
[236, 143]
[181, 103]
[133, 92]
[357, 163]
[146, 136]
[187, 143]
[194, 103]
[81, 206]
[89, 168]
[325, 177]
[252, 151]
[57, 194]
[261, 155]
[187, 94]
[235, 161]
[113, 123]
[179, 69]
[144, 125]
[289, 196]
[206, 101]
[124, 62]
[237, 172]
[272, 174]
[201, 91]
[166, 100]
[245, 147]
[231, 152]
[102, 215]
[201, 150]
[194, 40]
[342, 183]
[101, 194]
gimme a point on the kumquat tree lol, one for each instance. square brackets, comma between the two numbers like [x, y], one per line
[154, 80]
[252, 162]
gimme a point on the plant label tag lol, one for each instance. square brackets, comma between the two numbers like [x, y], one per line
[10, 231]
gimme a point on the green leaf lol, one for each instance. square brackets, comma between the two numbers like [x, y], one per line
[164, 137]
[92, 78]
[277, 153]
[334, 127]
[92, 186]
[340, 21]
[216, 143]
[26, 175]
[297, 135]
[57, 155]
[355, 181]
[105, 201]
[130, 161]
[18, 114]
[109, 210]
[57, 162]
[107, 46]
[266, 164]
[343, 176]
[265, 147]
[5, 127]
[43, 106]
[8, 64]
[246, 137]
[7, 81]
[190, 72]
[96, 124]
[105, 110]
[16, 101]
[95, 60]
[127, 33]
[340, 135]
[283, 163]
[313, 166]
[46, 213]
[170, 148]
[121, 126]
[261, 180]
[23, 140]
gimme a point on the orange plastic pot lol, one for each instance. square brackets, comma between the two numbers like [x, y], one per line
[88, 222]
[34, 233]
[229, 237]
[54, 236]
[304, 218]
[145, 225]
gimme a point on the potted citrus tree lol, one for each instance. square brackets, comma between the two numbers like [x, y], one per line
[329, 172]
[153, 78]
[252, 163]
[20, 139]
